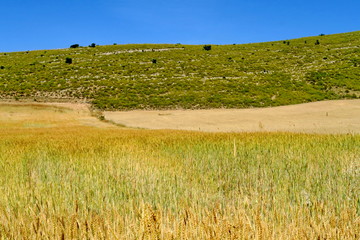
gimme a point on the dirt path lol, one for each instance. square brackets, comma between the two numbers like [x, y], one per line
[341, 116]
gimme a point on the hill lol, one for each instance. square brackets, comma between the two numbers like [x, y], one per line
[171, 76]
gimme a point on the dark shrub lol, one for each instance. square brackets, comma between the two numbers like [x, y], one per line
[207, 47]
[68, 60]
[92, 45]
[75, 46]
[154, 61]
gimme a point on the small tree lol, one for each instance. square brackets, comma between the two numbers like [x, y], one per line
[154, 61]
[317, 42]
[92, 45]
[68, 60]
[207, 47]
[75, 46]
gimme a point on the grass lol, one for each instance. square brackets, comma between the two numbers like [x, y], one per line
[140, 184]
[187, 76]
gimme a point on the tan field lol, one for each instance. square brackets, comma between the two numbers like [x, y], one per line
[329, 117]
[44, 115]
[319, 117]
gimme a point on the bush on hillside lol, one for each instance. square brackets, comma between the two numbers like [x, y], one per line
[68, 60]
[75, 46]
[207, 47]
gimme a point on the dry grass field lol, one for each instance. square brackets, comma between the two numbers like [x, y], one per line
[46, 115]
[66, 175]
[340, 116]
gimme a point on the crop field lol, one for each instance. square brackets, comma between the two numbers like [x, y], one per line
[176, 76]
[73, 181]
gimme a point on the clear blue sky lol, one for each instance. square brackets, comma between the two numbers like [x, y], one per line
[48, 24]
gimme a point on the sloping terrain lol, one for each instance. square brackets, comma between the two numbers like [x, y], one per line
[161, 76]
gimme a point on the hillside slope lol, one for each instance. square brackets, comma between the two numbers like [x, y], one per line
[160, 76]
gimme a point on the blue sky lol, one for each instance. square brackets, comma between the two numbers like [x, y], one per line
[46, 24]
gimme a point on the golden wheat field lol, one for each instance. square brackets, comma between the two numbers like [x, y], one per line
[63, 179]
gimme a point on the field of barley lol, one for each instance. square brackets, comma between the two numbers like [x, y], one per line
[81, 182]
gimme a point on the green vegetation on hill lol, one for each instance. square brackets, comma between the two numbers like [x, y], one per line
[187, 76]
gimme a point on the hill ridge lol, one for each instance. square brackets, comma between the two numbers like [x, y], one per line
[172, 76]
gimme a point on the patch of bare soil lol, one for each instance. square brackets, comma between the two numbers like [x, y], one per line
[330, 117]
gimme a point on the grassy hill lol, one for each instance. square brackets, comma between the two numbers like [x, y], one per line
[187, 76]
